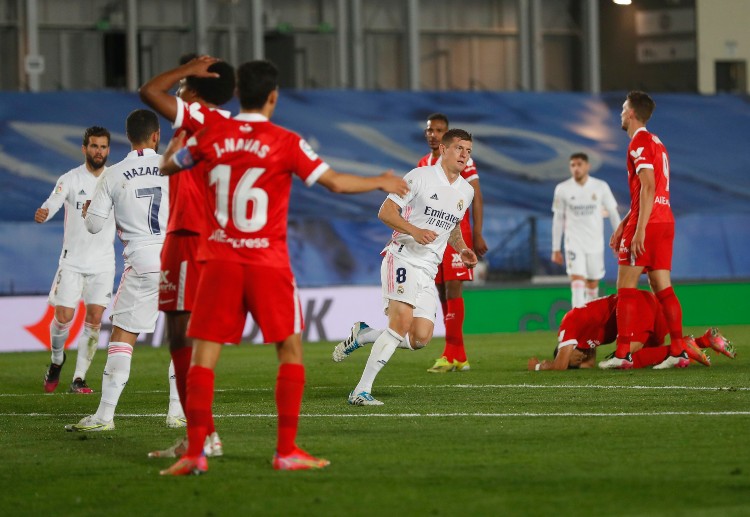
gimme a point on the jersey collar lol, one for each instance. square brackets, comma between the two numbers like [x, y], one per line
[639, 130]
[141, 152]
[251, 117]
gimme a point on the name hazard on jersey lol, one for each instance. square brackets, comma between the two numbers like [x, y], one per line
[221, 236]
[141, 171]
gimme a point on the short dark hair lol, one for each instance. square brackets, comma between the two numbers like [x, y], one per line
[140, 125]
[214, 90]
[95, 131]
[255, 82]
[642, 104]
[449, 135]
[579, 156]
[438, 116]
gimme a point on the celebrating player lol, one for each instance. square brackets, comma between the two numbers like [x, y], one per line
[205, 84]
[644, 237]
[249, 163]
[87, 262]
[424, 222]
[577, 205]
[585, 328]
[138, 194]
[452, 272]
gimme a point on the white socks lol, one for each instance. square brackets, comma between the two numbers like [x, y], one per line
[368, 335]
[382, 350]
[116, 374]
[58, 333]
[175, 408]
[578, 290]
[87, 344]
[592, 294]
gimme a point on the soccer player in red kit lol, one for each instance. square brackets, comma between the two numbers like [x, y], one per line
[248, 167]
[205, 83]
[452, 272]
[645, 236]
[585, 328]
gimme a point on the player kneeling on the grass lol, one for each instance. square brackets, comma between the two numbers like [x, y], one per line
[137, 193]
[585, 328]
[247, 167]
[424, 222]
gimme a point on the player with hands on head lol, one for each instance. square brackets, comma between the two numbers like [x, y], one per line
[205, 83]
[424, 222]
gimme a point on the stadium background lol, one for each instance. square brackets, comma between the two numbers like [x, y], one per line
[533, 80]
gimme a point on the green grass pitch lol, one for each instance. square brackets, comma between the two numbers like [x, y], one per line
[497, 440]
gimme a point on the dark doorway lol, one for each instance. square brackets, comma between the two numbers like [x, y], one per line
[115, 60]
[731, 77]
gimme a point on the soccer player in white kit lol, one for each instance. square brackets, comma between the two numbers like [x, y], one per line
[425, 221]
[87, 262]
[138, 194]
[578, 206]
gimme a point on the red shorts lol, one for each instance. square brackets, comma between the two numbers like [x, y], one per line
[227, 291]
[179, 272]
[452, 267]
[658, 244]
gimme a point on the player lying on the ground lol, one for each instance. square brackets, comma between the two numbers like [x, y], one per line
[585, 328]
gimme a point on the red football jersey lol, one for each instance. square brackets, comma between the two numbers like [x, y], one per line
[595, 323]
[646, 150]
[469, 174]
[186, 189]
[248, 163]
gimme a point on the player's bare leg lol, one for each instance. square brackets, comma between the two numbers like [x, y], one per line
[290, 385]
[58, 330]
[87, 346]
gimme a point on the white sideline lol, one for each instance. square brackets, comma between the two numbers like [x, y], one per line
[415, 415]
[446, 386]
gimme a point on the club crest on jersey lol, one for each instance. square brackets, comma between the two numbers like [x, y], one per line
[593, 197]
[636, 153]
[460, 204]
[400, 289]
[246, 128]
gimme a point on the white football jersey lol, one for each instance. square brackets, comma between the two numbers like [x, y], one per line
[581, 208]
[139, 195]
[82, 252]
[432, 203]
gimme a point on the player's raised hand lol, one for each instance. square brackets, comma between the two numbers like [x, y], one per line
[41, 215]
[423, 236]
[469, 258]
[393, 184]
[198, 66]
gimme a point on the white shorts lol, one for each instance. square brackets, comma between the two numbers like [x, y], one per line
[588, 265]
[68, 287]
[409, 284]
[136, 305]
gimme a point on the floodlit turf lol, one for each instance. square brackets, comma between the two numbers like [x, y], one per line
[497, 440]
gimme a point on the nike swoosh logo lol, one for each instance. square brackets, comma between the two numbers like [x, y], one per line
[461, 274]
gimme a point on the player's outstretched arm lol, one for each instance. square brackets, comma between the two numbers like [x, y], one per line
[456, 240]
[390, 214]
[168, 164]
[343, 183]
[477, 219]
[155, 93]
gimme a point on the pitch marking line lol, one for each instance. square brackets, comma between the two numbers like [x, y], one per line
[444, 386]
[423, 415]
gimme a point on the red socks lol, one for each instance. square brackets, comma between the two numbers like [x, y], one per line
[290, 384]
[200, 397]
[649, 356]
[454, 330]
[181, 359]
[673, 314]
[627, 315]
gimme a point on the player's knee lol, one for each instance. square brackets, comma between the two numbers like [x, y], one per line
[419, 339]
[64, 315]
